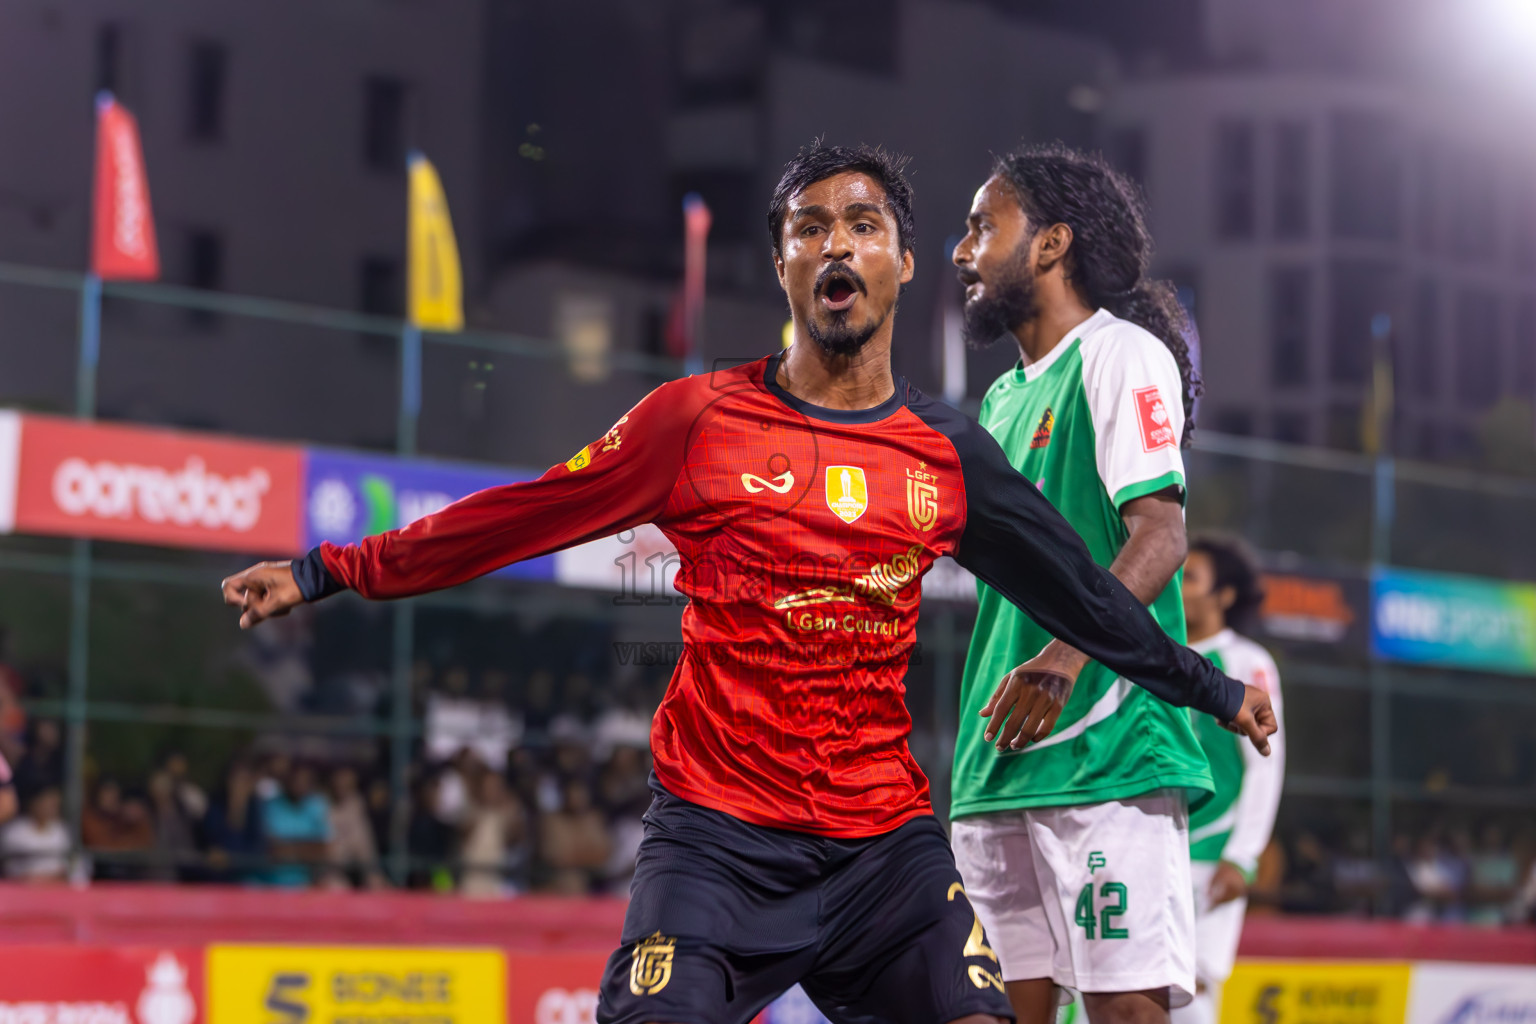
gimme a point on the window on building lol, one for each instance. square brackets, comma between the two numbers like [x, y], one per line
[206, 63]
[1525, 348]
[1293, 180]
[381, 286]
[1128, 152]
[1290, 326]
[1235, 184]
[1472, 188]
[384, 127]
[109, 71]
[1232, 420]
[1293, 427]
[1419, 371]
[1361, 291]
[1346, 426]
[1367, 176]
[1477, 349]
[204, 270]
[814, 30]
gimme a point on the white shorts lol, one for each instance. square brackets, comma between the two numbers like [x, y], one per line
[1217, 931]
[1095, 897]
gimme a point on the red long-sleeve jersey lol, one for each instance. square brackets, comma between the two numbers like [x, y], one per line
[803, 535]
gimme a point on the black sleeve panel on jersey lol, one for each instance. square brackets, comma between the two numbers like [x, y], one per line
[1018, 544]
[314, 579]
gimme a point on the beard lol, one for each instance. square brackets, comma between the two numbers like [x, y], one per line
[1009, 301]
[839, 337]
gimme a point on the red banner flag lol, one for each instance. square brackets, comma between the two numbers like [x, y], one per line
[123, 235]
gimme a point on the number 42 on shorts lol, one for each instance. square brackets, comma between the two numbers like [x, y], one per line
[1113, 898]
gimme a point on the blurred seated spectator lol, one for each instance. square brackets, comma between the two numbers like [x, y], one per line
[42, 764]
[624, 794]
[13, 715]
[1438, 880]
[574, 842]
[1357, 877]
[7, 792]
[174, 846]
[429, 840]
[297, 826]
[381, 813]
[108, 826]
[189, 795]
[1264, 894]
[494, 827]
[35, 846]
[233, 827]
[456, 720]
[1492, 878]
[353, 850]
[272, 774]
[1309, 885]
[456, 783]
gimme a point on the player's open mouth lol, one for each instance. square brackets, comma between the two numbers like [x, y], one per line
[838, 293]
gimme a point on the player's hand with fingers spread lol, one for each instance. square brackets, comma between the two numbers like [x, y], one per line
[264, 591]
[1026, 704]
[1256, 719]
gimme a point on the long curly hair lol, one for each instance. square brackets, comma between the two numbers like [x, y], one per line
[1111, 246]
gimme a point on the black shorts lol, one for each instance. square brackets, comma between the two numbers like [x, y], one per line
[724, 916]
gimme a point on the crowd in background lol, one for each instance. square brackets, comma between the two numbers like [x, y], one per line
[536, 781]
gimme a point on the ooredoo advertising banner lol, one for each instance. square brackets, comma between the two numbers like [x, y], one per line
[357, 985]
[147, 486]
[1445, 993]
[348, 497]
[88, 985]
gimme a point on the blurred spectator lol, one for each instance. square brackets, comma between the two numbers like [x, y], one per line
[7, 792]
[574, 842]
[233, 826]
[430, 841]
[624, 793]
[1492, 878]
[13, 715]
[35, 847]
[1264, 894]
[456, 720]
[353, 850]
[1309, 884]
[107, 826]
[42, 765]
[189, 795]
[174, 845]
[495, 825]
[1438, 879]
[455, 783]
[272, 775]
[297, 826]
[1357, 879]
[381, 813]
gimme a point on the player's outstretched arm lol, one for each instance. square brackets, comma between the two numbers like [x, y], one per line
[620, 481]
[1021, 546]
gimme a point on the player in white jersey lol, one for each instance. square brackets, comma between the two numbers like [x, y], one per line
[1229, 830]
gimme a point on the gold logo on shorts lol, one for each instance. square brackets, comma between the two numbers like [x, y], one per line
[651, 965]
[976, 945]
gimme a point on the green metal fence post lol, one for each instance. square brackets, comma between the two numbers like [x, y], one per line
[80, 574]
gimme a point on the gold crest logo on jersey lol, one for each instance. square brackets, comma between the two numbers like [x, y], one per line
[847, 494]
[613, 439]
[922, 498]
[650, 965]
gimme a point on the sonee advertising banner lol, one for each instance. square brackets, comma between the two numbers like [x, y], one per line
[353, 985]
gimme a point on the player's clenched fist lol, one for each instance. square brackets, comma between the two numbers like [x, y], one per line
[263, 591]
[1255, 719]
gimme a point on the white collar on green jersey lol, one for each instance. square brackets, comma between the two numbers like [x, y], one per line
[1082, 330]
[1212, 642]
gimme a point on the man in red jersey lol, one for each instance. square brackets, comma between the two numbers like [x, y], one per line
[791, 838]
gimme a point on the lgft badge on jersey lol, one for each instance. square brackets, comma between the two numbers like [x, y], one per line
[847, 493]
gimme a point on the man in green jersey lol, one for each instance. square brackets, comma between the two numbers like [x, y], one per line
[1228, 830]
[1074, 844]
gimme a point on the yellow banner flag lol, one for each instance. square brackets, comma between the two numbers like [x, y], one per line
[436, 287]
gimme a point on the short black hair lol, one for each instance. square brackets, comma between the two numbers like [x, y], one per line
[817, 163]
[1234, 565]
